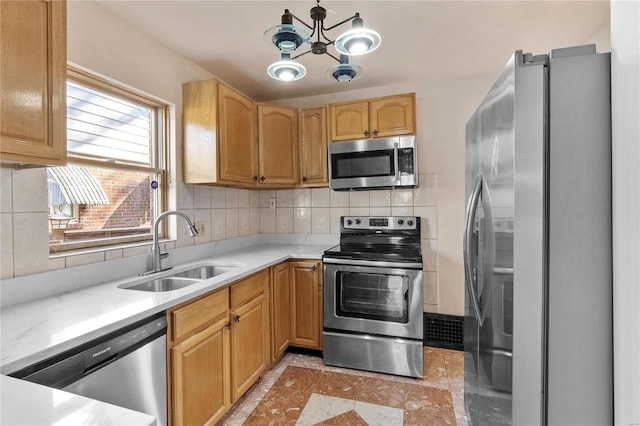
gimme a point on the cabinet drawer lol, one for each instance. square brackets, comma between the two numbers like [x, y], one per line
[195, 314]
[250, 287]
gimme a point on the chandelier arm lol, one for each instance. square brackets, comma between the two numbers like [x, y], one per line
[340, 23]
[297, 56]
[304, 23]
[325, 37]
[327, 53]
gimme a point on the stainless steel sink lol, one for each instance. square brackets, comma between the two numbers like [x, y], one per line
[205, 272]
[160, 284]
[180, 279]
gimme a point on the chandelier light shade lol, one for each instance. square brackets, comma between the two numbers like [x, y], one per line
[294, 38]
[286, 69]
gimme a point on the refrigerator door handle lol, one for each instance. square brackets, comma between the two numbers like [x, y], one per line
[466, 245]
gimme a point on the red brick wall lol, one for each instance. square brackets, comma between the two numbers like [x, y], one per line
[130, 202]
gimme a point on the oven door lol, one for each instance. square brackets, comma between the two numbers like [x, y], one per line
[378, 300]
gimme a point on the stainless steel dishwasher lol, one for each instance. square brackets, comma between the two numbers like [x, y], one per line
[127, 368]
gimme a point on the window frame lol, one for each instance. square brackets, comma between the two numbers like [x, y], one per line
[159, 155]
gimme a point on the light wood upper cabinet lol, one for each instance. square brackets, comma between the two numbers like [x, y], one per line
[278, 145]
[314, 137]
[373, 118]
[33, 76]
[306, 310]
[237, 143]
[219, 143]
[349, 120]
[280, 309]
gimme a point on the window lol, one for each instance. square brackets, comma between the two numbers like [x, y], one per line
[114, 184]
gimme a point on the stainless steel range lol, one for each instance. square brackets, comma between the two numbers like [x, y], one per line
[373, 296]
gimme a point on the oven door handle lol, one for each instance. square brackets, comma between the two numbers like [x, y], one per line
[372, 263]
[472, 207]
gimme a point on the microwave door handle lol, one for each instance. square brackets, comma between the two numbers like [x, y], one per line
[396, 161]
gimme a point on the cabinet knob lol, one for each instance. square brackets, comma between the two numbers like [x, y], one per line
[375, 132]
[366, 133]
[236, 317]
[262, 178]
[314, 268]
[228, 325]
[255, 178]
[304, 178]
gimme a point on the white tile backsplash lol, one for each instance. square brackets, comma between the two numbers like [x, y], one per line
[321, 220]
[5, 190]
[31, 243]
[29, 192]
[218, 197]
[284, 220]
[302, 220]
[226, 212]
[6, 245]
[302, 197]
[320, 197]
[201, 197]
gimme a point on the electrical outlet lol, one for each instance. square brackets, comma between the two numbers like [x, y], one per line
[272, 203]
[199, 227]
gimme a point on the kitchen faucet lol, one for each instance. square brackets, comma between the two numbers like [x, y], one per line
[156, 253]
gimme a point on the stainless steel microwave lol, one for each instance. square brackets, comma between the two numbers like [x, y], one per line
[373, 163]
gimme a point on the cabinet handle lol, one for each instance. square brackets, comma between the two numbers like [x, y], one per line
[262, 178]
[375, 132]
[304, 178]
[366, 133]
[236, 317]
[255, 178]
[228, 325]
[314, 268]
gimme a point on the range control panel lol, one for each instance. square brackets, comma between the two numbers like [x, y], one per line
[380, 222]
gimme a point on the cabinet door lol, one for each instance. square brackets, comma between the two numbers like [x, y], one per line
[200, 131]
[280, 309]
[306, 324]
[313, 147]
[200, 367]
[393, 115]
[33, 73]
[278, 145]
[237, 147]
[249, 344]
[349, 120]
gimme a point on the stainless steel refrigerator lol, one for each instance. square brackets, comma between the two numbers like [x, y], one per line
[537, 244]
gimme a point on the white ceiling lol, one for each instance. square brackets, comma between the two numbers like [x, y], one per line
[421, 40]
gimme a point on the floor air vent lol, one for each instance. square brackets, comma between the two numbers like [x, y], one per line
[443, 331]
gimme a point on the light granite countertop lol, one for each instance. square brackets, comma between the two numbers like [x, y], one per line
[35, 330]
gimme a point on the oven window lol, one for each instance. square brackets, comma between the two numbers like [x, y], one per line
[362, 164]
[372, 296]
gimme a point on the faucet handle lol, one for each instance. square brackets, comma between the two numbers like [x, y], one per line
[163, 251]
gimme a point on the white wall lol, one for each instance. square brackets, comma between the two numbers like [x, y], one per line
[625, 86]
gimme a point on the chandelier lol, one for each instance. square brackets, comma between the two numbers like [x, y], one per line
[291, 39]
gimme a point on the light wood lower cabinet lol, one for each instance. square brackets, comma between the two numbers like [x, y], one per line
[250, 343]
[306, 308]
[280, 309]
[218, 347]
[200, 370]
[222, 343]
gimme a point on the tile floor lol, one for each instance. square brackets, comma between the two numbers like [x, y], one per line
[301, 390]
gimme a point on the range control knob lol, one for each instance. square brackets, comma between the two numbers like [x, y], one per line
[349, 221]
[410, 222]
[400, 221]
[358, 221]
